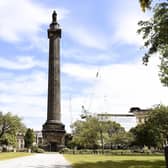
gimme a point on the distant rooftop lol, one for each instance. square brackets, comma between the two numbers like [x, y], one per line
[115, 115]
[137, 109]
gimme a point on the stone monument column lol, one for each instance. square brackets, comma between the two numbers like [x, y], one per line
[53, 130]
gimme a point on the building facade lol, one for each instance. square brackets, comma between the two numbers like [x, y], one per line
[140, 114]
[20, 142]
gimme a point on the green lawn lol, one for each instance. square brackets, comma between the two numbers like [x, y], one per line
[101, 161]
[10, 155]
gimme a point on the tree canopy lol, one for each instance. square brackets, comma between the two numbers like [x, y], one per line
[85, 132]
[10, 125]
[29, 138]
[154, 131]
[155, 35]
[93, 133]
[145, 4]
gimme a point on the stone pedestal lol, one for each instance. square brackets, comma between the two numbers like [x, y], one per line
[54, 136]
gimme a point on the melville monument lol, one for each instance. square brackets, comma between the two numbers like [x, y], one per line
[53, 130]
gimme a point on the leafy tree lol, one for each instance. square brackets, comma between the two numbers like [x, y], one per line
[145, 4]
[155, 34]
[154, 131]
[84, 133]
[29, 138]
[144, 135]
[158, 119]
[8, 139]
[115, 132]
[102, 128]
[10, 125]
[92, 132]
[122, 138]
[68, 140]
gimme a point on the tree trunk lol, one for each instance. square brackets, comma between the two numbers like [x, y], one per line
[102, 142]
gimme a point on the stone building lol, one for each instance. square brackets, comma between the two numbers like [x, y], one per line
[20, 142]
[140, 114]
[38, 138]
[111, 117]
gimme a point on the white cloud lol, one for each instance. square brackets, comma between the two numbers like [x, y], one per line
[125, 22]
[126, 30]
[119, 87]
[23, 19]
[24, 95]
[21, 63]
[79, 71]
[89, 39]
[34, 83]
[74, 54]
[86, 37]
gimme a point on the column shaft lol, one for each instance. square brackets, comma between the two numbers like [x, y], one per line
[53, 112]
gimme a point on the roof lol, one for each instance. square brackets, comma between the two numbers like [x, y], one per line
[116, 115]
[137, 109]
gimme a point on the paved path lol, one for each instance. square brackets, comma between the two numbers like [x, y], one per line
[37, 161]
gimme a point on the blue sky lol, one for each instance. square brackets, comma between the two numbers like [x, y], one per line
[97, 36]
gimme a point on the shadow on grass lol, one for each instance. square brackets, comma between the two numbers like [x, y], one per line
[122, 164]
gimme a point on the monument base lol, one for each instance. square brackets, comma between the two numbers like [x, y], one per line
[54, 136]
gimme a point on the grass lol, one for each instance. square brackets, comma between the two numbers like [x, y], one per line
[10, 155]
[101, 161]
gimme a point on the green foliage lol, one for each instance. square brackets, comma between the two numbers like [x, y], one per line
[154, 131]
[8, 139]
[145, 4]
[155, 35]
[124, 138]
[85, 133]
[36, 149]
[65, 150]
[145, 135]
[10, 125]
[117, 135]
[93, 133]
[158, 119]
[68, 141]
[29, 138]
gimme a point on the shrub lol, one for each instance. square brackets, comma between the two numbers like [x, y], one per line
[65, 150]
[36, 149]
